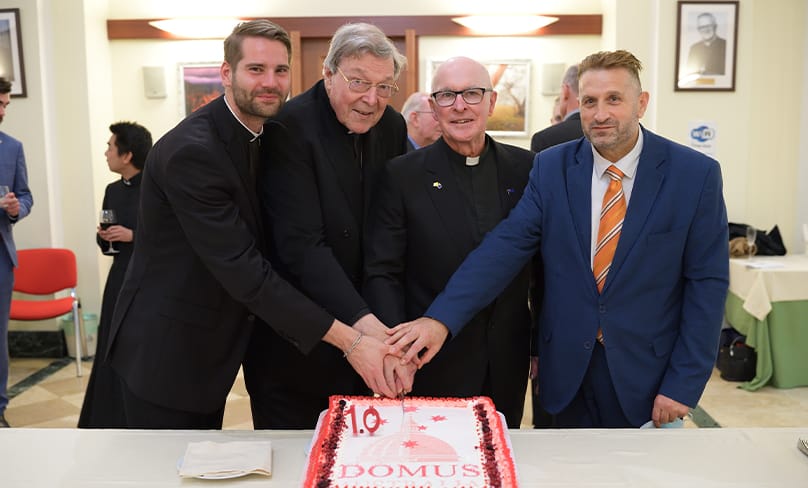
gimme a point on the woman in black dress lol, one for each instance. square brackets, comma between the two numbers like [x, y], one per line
[126, 154]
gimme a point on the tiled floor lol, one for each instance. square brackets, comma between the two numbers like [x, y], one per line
[54, 400]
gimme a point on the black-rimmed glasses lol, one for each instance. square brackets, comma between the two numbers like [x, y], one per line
[472, 96]
[384, 90]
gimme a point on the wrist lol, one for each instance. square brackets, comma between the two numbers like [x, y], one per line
[353, 345]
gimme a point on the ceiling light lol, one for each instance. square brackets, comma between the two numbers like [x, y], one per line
[198, 28]
[504, 24]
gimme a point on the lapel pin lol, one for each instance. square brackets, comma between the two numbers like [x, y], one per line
[437, 185]
[509, 191]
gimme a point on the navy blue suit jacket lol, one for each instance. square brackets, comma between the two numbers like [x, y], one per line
[663, 300]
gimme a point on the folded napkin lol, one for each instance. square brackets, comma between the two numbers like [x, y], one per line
[226, 459]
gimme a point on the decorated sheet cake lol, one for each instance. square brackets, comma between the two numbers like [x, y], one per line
[410, 443]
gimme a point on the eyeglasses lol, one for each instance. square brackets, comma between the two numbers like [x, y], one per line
[472, 96]
[356, 85]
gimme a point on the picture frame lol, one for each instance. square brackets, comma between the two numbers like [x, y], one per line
[511, 81]
[706, 46]
[200, 83]
[11, 60]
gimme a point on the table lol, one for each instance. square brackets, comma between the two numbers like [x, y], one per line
[648, 458]
[768, 303]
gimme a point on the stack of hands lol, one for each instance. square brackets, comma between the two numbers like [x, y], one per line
[387, 359]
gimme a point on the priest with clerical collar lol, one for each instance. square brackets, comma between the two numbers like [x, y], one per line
[433, 207]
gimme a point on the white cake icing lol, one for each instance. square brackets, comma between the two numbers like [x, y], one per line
[417, 442]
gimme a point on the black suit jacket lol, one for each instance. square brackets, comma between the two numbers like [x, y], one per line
[566, 130]
[315, 198]
[418, 235]
[184, 315]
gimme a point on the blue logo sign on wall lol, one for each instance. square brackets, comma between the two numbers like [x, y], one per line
[702, 133]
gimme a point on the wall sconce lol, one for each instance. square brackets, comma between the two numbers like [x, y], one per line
[198, 28]
[504, 24]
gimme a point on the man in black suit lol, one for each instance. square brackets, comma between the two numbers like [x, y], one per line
[322, 155]
[708, 56]
[433, 208]
[570, 127]
[567, 130]
[197, 278]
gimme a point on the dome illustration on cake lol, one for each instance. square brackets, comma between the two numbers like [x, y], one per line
[410, 444]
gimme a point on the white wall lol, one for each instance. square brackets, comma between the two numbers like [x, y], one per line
[78, 83]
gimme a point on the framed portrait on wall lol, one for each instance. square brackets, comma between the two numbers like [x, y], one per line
[11, 61]
[706, 46]
[199, 84]
[511, 81]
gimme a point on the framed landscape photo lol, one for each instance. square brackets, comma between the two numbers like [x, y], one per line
[511, 81]
[199, 84]
[706, 46]
[11, 61]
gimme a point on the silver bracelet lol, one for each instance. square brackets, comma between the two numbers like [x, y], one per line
[353, 345]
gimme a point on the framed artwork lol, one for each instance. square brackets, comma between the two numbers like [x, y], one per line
[199, 84]
[511, 81]
[706, 46]
[11, 61]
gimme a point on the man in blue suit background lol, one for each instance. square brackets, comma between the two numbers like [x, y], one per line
[641, 345]
[15, 203]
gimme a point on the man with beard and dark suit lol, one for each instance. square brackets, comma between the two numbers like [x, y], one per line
[322, 156]
[433, 207]
[197, 278]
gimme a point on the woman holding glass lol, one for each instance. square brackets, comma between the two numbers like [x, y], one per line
[126, 154]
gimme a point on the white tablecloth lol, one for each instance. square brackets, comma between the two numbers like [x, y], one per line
[762, 280]
[681, 458]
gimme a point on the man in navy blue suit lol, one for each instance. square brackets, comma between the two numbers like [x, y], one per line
[15, 203]
[641, 345]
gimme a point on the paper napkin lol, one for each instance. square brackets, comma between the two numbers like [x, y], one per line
[226, 459]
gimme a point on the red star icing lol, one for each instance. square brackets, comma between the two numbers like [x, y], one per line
[438, 418]
[422, 427]
[382, 421]
[410, 409]
[409, 444]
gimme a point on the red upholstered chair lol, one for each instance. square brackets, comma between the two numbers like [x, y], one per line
[45, 272]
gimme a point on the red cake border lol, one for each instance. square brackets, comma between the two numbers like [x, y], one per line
[327, 439]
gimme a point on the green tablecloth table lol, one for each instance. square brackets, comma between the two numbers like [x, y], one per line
[768, 303]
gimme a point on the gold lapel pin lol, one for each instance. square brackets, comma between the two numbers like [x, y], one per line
[437, 185]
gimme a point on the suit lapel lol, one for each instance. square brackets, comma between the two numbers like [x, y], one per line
[648, 182]
[338, 148]
[579, 193]
[234, 137]
[508, 180]
[447, 197]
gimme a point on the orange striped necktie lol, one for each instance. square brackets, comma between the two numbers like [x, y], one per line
[611, 222]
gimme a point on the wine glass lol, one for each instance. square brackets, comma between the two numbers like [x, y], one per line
[751, 235]
[108, 218]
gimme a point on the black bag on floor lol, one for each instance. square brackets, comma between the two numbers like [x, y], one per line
[736, 360]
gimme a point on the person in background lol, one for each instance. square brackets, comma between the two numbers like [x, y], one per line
[323, 153]
[567, 130]
[419, 233]
[15, 204]
[707, 56]
[197, 279]
[422, 128]
[633, 231]
[126, 153]
[569, 127]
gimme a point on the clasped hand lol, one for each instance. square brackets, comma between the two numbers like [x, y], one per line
[382, 372]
